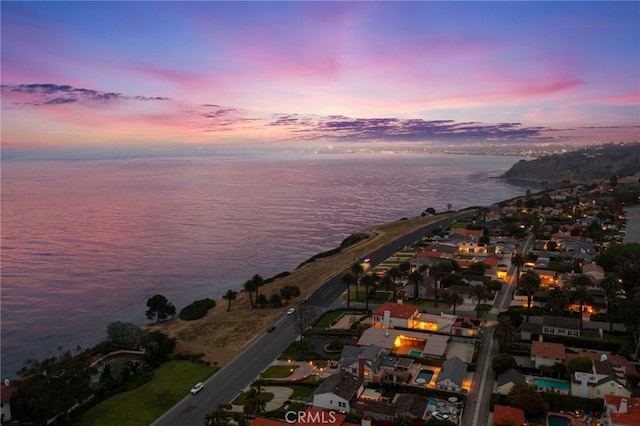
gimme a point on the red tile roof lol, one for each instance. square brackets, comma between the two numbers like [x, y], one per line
[548, 350]
[503, 414]
[397, 310]
[631, 417]
[263, 421]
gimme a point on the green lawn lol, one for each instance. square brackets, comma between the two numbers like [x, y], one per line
[141, 406]
[242, 398]
[279, 371]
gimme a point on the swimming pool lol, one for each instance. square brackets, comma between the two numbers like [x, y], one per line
[552, 384]
[415, 353]
[424, 377]
[555, 420]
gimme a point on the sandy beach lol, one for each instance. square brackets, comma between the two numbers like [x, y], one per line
[222, 334]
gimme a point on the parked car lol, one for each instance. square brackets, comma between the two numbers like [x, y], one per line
[271, 328]
[197, 388]
[291, 311]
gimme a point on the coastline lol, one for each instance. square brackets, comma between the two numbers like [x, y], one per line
[222, 334]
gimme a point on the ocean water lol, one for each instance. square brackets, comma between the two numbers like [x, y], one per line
[87, 242]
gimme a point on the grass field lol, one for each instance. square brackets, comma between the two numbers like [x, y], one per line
[279, 371]
[141, 406]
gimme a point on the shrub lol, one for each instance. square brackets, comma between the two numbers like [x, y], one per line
[353, 239]
[197, 309]
[334, 347]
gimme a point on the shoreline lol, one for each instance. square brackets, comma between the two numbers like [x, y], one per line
[221, 335]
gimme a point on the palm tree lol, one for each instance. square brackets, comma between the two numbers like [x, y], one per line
[258, 282]
[530, 282]
[518, 261]
[454, 299]
[356, 269]
[248, 287]
[437, 271]
[480, 293]
[221, 416]
[504, 332]
[230, 296]
[415, 278]
[349, 279]
[369, 280]
[611, 286]
[387, 283]
[580, 284]
[557, 299]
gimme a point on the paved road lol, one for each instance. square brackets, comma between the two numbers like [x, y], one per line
[225, 385]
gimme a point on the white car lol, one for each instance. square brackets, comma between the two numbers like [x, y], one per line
[197, 388]
[291, 311]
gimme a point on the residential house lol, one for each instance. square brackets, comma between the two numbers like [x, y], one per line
[406, 342]
[506, 415]
[593, 271]
[6, 391]
[546, 353]
[615, 360]
[621, 411]
[470, 234]
[466, 326]
[338, 392]
[604, 379]
[394, 370]
[363, 362]
[561, 326]
[390, 315]
[451, 376]
[508, 379]
[410, 405]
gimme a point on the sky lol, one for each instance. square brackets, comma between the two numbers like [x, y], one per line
[147, 73]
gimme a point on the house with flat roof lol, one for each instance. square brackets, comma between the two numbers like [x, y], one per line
[406, 341]
[451, 376]
[547, 353]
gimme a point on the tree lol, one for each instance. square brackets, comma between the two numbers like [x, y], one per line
[557, 299]
[221, 416]
[257, 281]
[388, 284]
[275, 300]
[157, 346]
[395, 274]
[581, 364]
[249, 288]
[502, 362]
[611, 286]
[438, 271]
[51, 386]
[415, 278]
[303, 319]
[356, 269]
[581, 284]
[528, 399]
[369, 280]
[288, 292]
[613, 181]
[454, 299]
[160, 308]
[529, 283]
[230, 296]
[124, 335]
[504, 332]
[630, 316]
[255, 405]
[349, 279]
[518, 261]
[481, 294]
[262, 301]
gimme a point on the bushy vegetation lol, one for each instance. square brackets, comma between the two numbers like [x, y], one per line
[197, 309]
[353, 239]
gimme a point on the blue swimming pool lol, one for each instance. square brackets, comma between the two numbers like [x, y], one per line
[552, 384]
[424, 377]
[555, 420]
[415, 353]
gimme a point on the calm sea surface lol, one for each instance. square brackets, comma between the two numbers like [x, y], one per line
[87, 242]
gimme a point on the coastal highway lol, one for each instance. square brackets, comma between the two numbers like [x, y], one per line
[225, 385]
[327, 294]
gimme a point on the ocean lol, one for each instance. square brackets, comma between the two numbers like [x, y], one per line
[87, 242]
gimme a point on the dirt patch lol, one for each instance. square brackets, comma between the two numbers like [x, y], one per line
[222, 334]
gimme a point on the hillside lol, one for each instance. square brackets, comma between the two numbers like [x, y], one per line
[586, 164]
